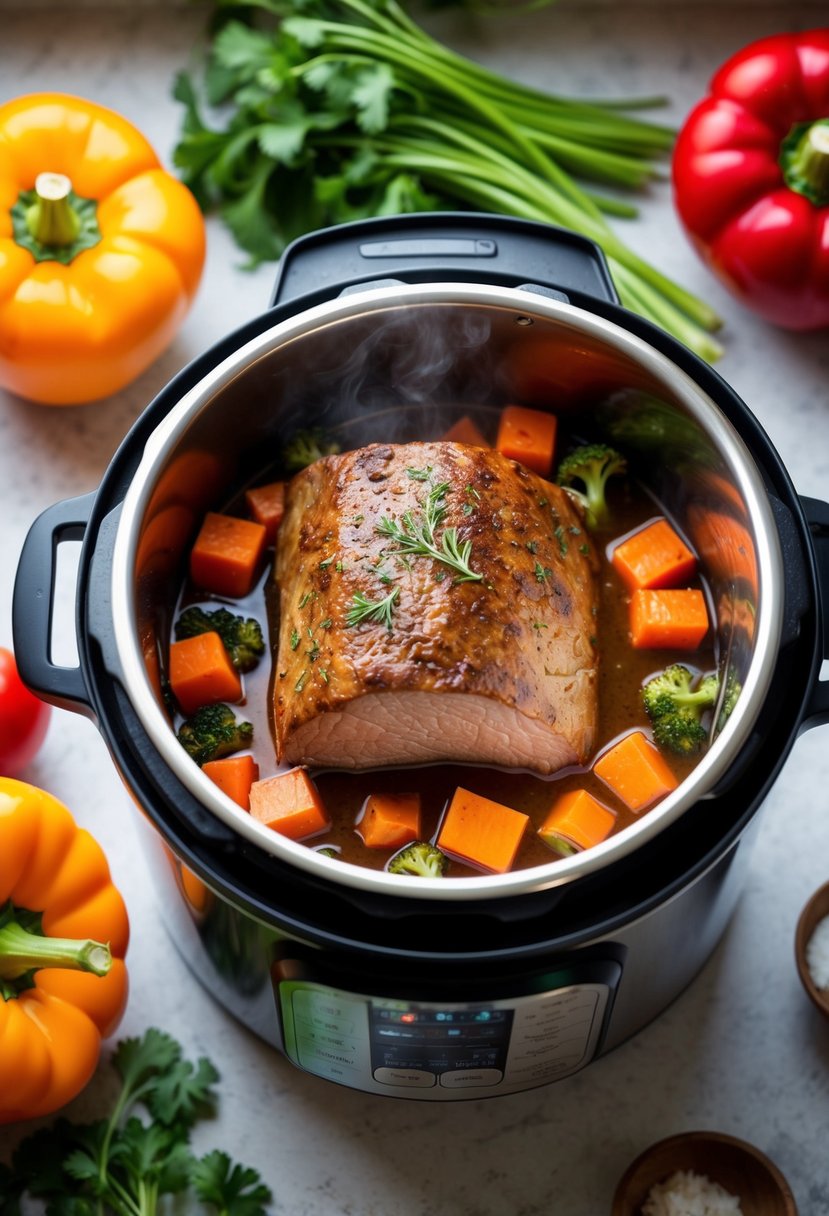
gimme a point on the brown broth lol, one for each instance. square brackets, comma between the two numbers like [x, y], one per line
[622, 672]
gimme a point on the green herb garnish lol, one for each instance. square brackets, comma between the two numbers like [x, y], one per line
[416, 535]
[294, 639]
[364, 609]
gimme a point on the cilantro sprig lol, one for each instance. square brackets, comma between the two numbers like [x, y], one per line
[124, 1163]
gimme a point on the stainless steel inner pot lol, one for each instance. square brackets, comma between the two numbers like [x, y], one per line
[401, 363]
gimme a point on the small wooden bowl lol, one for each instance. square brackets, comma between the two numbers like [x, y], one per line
[814, 911]
[738, 1167]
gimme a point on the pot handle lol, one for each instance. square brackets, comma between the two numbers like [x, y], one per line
[33, 603]
[445, 246]
[817, 517]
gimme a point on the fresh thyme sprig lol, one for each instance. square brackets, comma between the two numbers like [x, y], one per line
[415, 536]
[364, 609]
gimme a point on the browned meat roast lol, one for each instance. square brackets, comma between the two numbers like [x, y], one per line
[391, 655]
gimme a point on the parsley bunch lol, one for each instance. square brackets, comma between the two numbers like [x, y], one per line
[124, 1164]
[335, 110]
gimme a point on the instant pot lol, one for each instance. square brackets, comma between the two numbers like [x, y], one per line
[433, 989]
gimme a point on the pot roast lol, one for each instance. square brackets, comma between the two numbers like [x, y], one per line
[437, 602]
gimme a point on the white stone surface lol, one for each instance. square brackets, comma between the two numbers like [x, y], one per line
[742, 1050]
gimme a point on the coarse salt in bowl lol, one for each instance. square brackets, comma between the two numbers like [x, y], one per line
[811, 947]
[703, 1174]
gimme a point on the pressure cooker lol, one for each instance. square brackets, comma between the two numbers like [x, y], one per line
[439, 989]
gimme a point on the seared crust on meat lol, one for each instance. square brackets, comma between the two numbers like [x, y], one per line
[512, 653]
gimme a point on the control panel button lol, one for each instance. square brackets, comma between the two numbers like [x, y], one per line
[468, 1078]
[407, 1078]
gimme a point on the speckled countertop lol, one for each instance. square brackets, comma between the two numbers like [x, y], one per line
[742, 1050]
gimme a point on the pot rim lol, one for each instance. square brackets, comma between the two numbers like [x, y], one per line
[710, 770]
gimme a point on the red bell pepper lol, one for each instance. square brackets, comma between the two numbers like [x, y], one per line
[751, 177]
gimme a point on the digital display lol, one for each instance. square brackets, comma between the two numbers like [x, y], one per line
[439, 1040]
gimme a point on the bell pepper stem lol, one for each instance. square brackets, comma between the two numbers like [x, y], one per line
[807, 166]
[21, 952]
[51, 219]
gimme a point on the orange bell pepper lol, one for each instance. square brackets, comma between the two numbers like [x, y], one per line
[63, 936]
[101, 250]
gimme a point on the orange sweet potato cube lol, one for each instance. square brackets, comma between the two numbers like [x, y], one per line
[290, 804]
[576, 821]
[389, 821]
[528, 436]
[201, 672]
[668, 619]
[481, 832]
[234, 776]
[655, 556]
[636, 771]
[267, 506]
[226, 554]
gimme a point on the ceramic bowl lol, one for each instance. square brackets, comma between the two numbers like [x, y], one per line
[814, 912]
[738, 1167]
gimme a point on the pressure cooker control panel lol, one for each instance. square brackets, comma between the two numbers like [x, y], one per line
[444, 1050]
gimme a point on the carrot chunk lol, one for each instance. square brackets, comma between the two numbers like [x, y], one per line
[466, 431]
[482, 832]
[528, 436]
[226, 554]
[201, 672]
[576, 821]
[654, 557]
[267, 506]
[390, 820]
[290, 804]
[635, 771]
[234, 776]
[676, 619]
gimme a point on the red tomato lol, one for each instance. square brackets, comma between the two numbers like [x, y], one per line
[23, 719]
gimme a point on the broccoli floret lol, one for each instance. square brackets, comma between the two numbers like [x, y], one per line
[212, 732]
[421, 859]
[680, 732]
[242, 638]
[676, 709]
[305, 447]
[593, 465]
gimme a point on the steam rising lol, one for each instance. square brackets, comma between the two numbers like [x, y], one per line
[417, 367]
